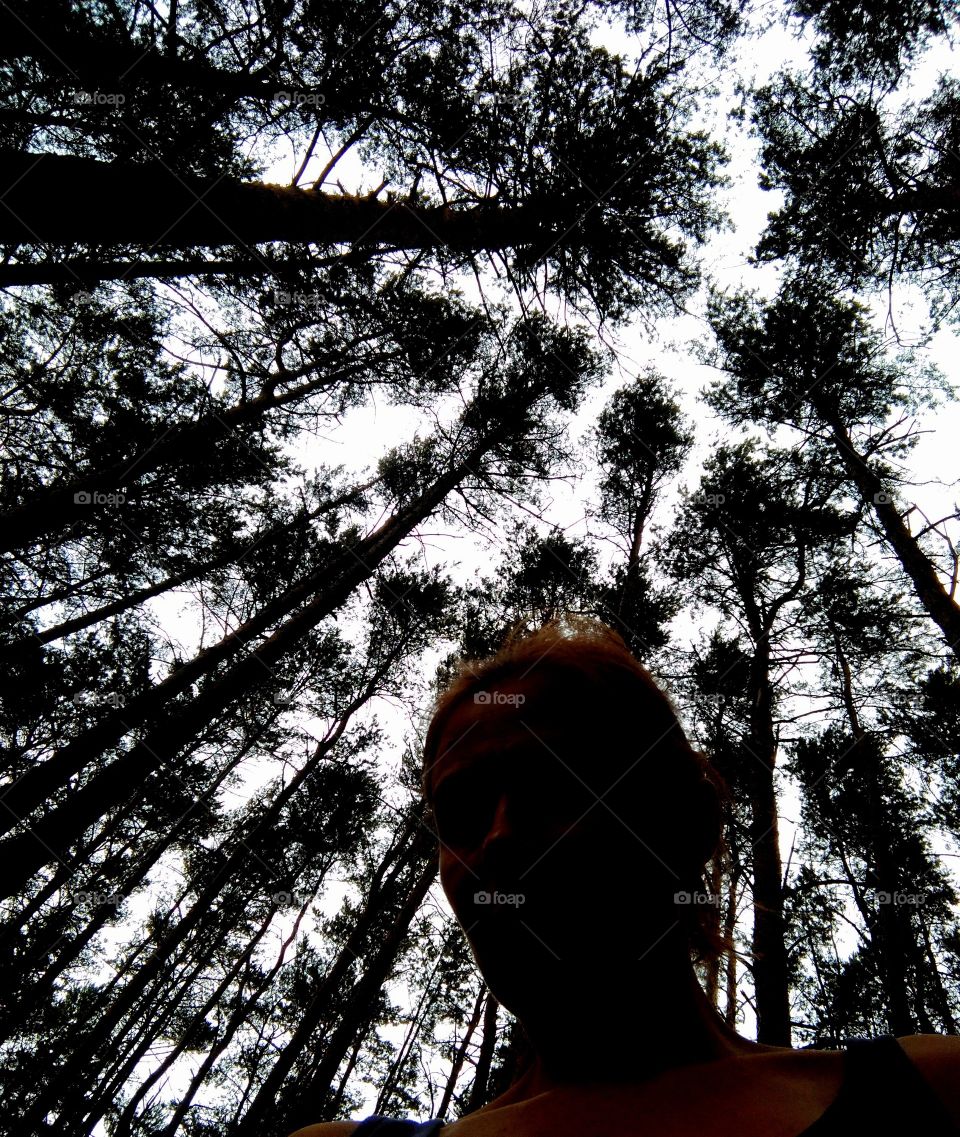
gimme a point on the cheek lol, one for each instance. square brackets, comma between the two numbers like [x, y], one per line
[458, 884]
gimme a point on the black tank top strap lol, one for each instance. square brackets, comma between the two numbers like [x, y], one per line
[883, 1092]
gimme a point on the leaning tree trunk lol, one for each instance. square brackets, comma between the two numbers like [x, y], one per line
[78, 1069]
[261, 1118]
[52, 836]
[938, 603]
[345, 1076]
[461, 1054]
[151, 206]
[139, 596]
[123, 1125]
[235, 1022]
[392, 1080]
[478, 1093]
[68, 502]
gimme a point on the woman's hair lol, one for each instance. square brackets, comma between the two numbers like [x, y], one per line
[584, 652]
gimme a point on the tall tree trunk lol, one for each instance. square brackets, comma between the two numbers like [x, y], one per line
[948, 1024]
[77, 1069]
[712, 967]
[124, 1126]
[124, 1122]
[730, 921]
[889, 922]
[414, 1029]
[142, 1032]
[345, 1076]
[138, 596]
[769, 948]
[39, 993]
[88, 274]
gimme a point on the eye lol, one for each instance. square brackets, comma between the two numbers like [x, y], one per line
[463, 808]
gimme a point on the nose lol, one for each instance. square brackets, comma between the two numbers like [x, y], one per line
[505, 851]
[501, 829]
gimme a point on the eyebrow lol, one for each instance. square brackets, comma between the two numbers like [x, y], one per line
[488, 757]
[459, 775]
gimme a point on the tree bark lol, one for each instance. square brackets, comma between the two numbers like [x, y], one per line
[65, 200]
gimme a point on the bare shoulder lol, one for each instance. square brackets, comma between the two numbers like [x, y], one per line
[327, 1129]
[937, 1057]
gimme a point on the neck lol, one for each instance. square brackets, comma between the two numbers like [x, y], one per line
[625, 1031]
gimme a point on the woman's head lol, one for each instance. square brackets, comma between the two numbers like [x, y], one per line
[561, 779]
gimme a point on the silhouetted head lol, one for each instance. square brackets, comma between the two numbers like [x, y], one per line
[574, 818]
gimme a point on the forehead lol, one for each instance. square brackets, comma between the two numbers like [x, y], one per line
[545, 714]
